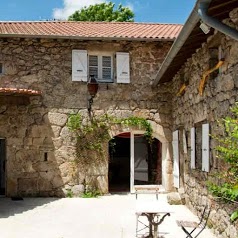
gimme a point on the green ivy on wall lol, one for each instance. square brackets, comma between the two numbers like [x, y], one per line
[93, 134]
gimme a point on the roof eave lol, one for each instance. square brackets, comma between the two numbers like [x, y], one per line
[86, 38]
[188, 27]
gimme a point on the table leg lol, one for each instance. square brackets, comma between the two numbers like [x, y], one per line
[155, 235]
[150, 219]
[153, 224]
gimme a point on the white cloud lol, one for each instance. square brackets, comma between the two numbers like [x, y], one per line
[70, 6]
[130, 5]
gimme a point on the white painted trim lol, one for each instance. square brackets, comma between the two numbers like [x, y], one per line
[159, 134]
[132, 146]
[193, 148]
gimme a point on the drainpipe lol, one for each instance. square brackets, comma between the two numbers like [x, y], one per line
[214, 23]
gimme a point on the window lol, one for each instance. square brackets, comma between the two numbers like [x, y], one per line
[200, 148]
[1, 68]
[101, 67]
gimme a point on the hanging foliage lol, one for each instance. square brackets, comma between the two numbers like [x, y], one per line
[93, 134]
[228, 152]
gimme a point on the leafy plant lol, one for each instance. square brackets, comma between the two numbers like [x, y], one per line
[91, 194]
[234, 216]
[228, 152]
[93, 134]
[138, 122]
[226, 191]
[69, 194]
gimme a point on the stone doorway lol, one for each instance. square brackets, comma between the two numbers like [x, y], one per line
[140, 167]
[2, 167]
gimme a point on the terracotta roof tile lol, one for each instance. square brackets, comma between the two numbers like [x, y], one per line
[18, 91]
[70, 29]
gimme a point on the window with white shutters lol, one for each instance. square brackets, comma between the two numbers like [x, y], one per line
[101, 67]
[200, 148]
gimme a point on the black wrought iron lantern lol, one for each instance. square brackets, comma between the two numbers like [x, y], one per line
[92, 86]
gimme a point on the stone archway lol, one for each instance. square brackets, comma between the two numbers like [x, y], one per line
[164, 136]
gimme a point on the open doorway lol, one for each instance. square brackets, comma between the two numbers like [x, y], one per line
[119, 164]
[147, 162]
[2, 166]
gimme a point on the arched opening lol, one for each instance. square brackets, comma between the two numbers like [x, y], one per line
[147, 162]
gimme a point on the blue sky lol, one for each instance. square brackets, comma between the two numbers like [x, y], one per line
[163, 11]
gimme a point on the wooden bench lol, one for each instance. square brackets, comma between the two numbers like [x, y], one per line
[154, 189]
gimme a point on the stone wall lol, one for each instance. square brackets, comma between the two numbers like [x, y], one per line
[40, 148]
[191, 109]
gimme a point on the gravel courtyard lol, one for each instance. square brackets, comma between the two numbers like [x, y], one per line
[111, 216]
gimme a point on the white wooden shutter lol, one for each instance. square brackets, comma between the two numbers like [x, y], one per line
[193, 146]
[79, 65]
[176, 158]
[205, 148]
[123, 67]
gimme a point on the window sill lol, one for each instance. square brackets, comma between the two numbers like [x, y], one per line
[104, 82]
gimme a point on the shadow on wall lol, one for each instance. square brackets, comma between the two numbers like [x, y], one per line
[37, 155]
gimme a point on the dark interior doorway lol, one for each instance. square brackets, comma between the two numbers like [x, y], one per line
[2, 166]
[147, 162]
[119, 164]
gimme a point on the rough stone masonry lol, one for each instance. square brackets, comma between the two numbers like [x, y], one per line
[191, 109]
[40, 147]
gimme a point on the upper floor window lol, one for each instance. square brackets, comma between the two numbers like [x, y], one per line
[101, 65]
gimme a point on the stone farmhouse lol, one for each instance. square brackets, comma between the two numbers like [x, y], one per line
[180, 79]
[44, 70]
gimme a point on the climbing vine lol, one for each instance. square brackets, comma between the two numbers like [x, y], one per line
[228, 152]
[93, 134]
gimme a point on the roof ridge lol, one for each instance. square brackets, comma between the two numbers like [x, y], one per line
[94, 22]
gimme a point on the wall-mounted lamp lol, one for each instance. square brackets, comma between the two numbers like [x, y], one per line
[205, 28]
[92, 90]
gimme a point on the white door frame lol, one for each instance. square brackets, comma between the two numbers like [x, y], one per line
[161, 135]
[132, 150]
